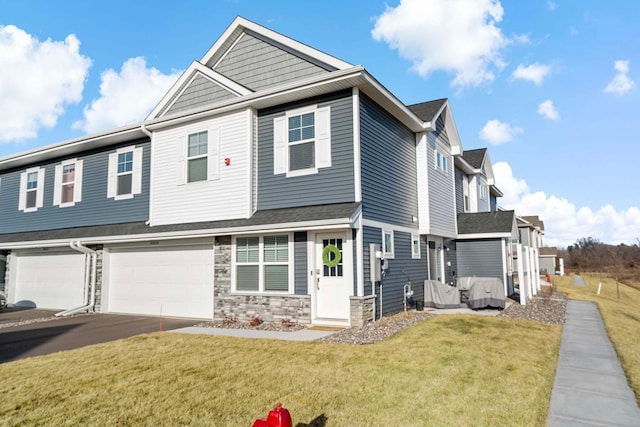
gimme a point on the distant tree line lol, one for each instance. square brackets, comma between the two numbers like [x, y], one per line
[589, 254]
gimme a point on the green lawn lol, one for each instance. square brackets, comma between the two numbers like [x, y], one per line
[445, 371]
[621, 317]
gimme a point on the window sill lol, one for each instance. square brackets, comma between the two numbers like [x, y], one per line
[67, 205]
[262, 294]
[27, 210]
[302, 172]
[123, 197]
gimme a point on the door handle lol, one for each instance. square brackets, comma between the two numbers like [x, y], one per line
[318, 279]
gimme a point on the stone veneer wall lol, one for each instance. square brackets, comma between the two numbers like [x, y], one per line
[243, 307]
[99, 251]
[7, 275]
[361, 310]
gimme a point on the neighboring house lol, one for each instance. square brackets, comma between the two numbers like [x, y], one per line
[476, 192]
[526, 260]
[548, 260]
[255, 187]
[436, 189]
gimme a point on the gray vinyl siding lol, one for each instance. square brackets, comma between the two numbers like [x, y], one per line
[388, 164]
[201, 91]
[493, 203]
[300, 263]
[401, 269]
[460, 176]
[258, 64]
[94, 208]
[481, 258]
[442, 212]
[334, 184]
[547, 265]
[450, 256]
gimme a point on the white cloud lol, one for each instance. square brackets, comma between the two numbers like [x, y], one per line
[552, 6]
[125, 96]
[534, 73]
[496, 132]
[457, 36]
[547, 110]
[563, 222]
[37, 82]
[621, 83]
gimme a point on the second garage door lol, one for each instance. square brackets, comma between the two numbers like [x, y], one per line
[53, 280]
[172, 281]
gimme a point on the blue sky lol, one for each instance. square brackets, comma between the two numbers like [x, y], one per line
[548, 86]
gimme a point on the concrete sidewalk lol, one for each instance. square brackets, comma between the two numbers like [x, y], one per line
[590, 387]
[301, 335]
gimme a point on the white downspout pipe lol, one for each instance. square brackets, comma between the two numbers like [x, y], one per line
[91, 300]
[150, 135]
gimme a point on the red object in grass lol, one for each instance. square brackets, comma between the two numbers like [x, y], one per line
[278, 417]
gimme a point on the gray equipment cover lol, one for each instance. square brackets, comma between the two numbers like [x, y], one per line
[439, 295]
[483, 291]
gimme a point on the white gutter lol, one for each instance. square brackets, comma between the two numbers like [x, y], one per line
[91, 301]
[151, 168]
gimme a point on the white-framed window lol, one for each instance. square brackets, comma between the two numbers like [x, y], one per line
[415, 246]
[387, 244]
[31, 196]
[483, 191]
[67, 183]
[465, 194]
[199, 156]
[441, 161]
[197, 151]
[125, 173]
[302, 141]
[263, 264]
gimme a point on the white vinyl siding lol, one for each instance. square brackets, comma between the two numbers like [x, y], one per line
[302, 141]
[31, 196]
[225, 194]
[125, 173]
[263, 264]
[67, 183]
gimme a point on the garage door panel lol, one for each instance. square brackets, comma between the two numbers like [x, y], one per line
[174, 281]
[54, 281]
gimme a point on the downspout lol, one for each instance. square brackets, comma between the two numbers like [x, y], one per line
[91, 300]
[150, 135]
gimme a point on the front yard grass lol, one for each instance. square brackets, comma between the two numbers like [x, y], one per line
[621, 318]
[445, 371]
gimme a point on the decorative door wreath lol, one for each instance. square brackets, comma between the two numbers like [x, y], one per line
[326, 256]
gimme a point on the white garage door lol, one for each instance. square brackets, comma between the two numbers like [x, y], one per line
[54, 280]
[172, 281]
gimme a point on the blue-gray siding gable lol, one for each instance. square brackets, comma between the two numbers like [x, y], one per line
[388, 167]
[257, 64]
[334, 184]
[94, 208]
[200, 92]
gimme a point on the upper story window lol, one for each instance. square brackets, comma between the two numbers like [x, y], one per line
[31, 196]
[125, 173]
[465, 193]
[197, 150]
[483, 191]
[441, 161]
[302, 141]
[67, 190]
[198, 156]
[262, 264]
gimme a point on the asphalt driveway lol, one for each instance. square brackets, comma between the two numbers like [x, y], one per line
[44, 337]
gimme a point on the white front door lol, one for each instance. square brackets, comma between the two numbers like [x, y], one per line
[334, 278]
